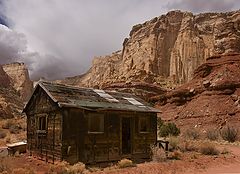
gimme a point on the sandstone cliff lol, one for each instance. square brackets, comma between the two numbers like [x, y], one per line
[165, 50]
[211, 98]
[20, 80]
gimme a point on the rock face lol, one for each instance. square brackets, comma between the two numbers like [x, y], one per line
[4, 78]
[165, 50]
[20, 80]
[211, 98]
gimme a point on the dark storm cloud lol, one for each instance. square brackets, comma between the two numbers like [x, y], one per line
[63, 36]
[204, 5]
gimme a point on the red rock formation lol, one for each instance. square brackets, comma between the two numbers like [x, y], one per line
[211, 98]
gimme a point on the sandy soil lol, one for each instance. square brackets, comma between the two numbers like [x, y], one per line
[190, 163]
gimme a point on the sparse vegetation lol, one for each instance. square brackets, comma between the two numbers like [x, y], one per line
[125, 163]
[173, 142]
[208, 149]
[192, 134]
[188, 146]
[229, 134]
[158, 154]
[167, 129]
[212, 134]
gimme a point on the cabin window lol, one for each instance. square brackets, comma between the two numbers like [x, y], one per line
[96, 123]
[42, 123]
[144, 124]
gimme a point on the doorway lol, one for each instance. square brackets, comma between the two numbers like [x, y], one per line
[126, 135]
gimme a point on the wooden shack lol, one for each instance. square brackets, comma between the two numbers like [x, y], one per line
[88, 125]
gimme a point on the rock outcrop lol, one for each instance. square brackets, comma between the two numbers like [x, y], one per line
[20, 80]
[165, 50]
[211, 98]
[4, 78]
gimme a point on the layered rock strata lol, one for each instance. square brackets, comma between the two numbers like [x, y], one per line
[165, 50]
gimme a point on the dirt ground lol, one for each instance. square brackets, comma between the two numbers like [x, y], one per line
[189, 163]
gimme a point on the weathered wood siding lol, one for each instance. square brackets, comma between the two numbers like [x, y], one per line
[73, 134]
[44, 144]
[81, 145]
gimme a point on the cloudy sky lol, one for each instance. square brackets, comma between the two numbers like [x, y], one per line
[59, 38]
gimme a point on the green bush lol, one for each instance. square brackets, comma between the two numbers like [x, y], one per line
[169, 129]
[229, 134]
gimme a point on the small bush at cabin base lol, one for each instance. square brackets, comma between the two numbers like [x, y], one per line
[208, 149]
[229, 134]
[158, 154]
[65, 168]
[125, 163]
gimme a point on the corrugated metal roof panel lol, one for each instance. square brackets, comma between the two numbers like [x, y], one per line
[68, 96]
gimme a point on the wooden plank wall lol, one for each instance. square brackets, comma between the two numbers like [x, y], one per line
[46, 146]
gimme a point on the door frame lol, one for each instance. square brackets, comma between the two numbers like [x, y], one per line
[131, 135]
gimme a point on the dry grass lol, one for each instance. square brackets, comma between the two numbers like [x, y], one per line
[158, 154]
[229, 134]
[126, 163]
[212, 134]
[188, 146]
[173, 142]
[65, 168]
[208, 149]
[192, 134]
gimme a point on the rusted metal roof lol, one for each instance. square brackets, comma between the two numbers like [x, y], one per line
[94, 99]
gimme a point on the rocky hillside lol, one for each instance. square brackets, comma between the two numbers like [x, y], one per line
[165, 50]
[10, 102]
[212, 97]
[15, 88]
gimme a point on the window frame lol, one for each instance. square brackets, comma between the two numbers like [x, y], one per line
[90, 117]
[39, 124]
[148, 124]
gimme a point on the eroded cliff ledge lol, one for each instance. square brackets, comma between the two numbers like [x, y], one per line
[165, 50]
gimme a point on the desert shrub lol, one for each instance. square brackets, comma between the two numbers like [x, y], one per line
[3, 134]
[176, 155]
[208, 149]
[77, 168]
[169, 129]
[212, 134]
[8, 124]
[188, 146]
[61, 167]
[192, 134]
[229, 134]
[125, 163]
[224, 151]
[158, 154]
[173, 142]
